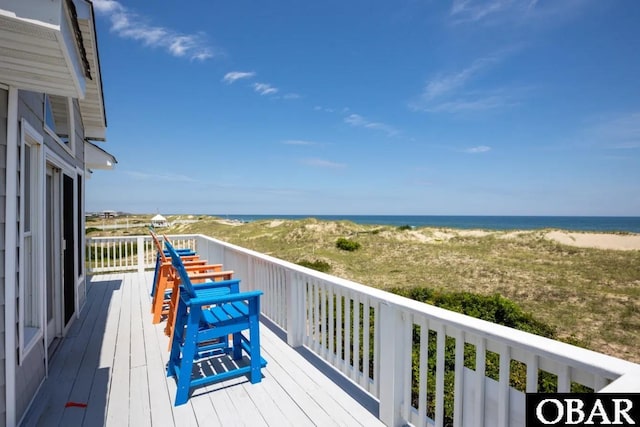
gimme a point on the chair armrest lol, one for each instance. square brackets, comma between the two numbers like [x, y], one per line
[225, 275]
[202, 267]
[223, 298]
[234, 284]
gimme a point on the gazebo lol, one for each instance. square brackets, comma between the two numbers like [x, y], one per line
[159, 221]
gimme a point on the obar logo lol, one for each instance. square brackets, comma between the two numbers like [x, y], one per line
[584, 409]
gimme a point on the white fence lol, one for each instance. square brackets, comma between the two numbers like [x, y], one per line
[381, 341]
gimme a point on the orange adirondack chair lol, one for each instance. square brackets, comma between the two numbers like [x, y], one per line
[162, 280]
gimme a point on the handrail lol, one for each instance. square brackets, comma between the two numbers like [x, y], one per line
[378, 340]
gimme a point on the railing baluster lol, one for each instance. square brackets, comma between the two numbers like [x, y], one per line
[458, 388]
[440, 347]
[366, 318]
[564, 379]
[599, 382]
[503, 387]
[356, 339]
[423, 372]
[347, 334]
[532, 374]
[339, 329]
[376, 350]
[407, 338]
[481, 379]
[324, 322]
[332, 330]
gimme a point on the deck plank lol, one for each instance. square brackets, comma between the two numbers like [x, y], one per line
[118, 404]
[65, 365]
[159, 399]
[115, 359]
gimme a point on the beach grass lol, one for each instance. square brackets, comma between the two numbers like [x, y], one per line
[590, 296]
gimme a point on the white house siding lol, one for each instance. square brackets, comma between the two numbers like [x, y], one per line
[3, 188]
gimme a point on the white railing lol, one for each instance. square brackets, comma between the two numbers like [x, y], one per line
[381, 342]
[125, 253]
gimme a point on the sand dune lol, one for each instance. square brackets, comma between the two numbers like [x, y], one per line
[622, 242]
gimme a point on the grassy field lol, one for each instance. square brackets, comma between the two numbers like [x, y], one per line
[590, 296]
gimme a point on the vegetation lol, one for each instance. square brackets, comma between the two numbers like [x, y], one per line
[405, 227]
[317, 265]
[492, 308]
[347, 245]
[590, 297]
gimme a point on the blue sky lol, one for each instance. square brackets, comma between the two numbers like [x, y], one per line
[501, 107]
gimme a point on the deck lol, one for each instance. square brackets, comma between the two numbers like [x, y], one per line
[113, 360]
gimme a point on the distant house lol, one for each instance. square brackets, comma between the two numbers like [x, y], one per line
[108, 214]
[51, 113]
[159, 221]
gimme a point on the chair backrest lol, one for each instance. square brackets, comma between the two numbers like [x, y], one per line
[176, 261]
[158, 245]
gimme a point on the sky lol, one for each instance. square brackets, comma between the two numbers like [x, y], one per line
[399, 107]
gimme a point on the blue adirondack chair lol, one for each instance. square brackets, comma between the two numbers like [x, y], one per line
[204, 320]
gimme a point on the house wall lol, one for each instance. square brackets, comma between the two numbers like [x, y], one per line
[31, 372]
[3, 188]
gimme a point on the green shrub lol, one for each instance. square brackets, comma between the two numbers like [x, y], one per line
[405, 227]
[91, 230]
[317, 265]
[347, 245]
[494, 308]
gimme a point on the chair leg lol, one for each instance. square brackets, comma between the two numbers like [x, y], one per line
[237, 346]
[254, 345]
[176, 342]
[158, 298]
[189, 349]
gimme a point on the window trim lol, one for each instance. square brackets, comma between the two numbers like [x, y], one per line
[29, 336]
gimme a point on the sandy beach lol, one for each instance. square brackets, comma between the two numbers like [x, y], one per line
[621, 242]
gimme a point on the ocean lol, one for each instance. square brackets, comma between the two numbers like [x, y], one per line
[575, 223]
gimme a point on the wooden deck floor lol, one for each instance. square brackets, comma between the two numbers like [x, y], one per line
[113, 360]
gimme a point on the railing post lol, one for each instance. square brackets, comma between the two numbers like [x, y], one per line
[140, 254]
[295, 310]
[391, 365]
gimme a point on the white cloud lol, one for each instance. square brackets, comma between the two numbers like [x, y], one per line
[456, 92]
[106, 6]
[478, 149]
[321, 163]
[129, 25]
[517, 13]
[470, 10]
[291, 96]
[444, 84]
[357, 120]
[479, 104]
[237, 75]
[264, 89]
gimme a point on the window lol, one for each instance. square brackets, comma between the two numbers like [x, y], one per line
[58, 120]
[31, 291]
